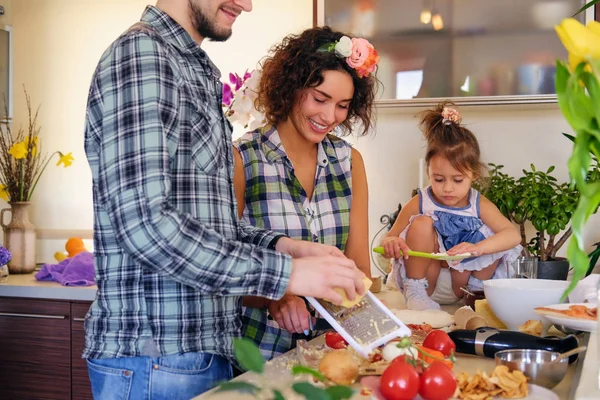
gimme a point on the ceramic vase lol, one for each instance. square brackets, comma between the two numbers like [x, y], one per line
[19, 238]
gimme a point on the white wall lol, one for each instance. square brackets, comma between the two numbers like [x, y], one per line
[57, 46]
[6, 19]
[514, 136]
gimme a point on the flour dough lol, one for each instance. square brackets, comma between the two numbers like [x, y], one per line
[436, 318]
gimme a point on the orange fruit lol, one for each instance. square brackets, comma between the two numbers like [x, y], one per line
[74, 246]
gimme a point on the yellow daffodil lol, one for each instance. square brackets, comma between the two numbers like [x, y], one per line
[18, 150]
[582, 42]
[66, 159]
[3, 192]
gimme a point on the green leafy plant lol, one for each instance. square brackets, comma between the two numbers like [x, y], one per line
[578, 93]
[535, 198]
[249, 358]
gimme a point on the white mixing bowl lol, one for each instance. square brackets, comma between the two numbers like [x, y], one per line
[513, 300]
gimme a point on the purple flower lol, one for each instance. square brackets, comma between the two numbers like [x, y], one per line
[227, 94]
[5, 256]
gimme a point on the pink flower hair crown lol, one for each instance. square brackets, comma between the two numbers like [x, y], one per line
[358, 52]
[450, 115]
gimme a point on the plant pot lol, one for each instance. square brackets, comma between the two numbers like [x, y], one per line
[19, 238]
[557, 270]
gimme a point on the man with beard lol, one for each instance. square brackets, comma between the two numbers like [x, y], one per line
[172, 260]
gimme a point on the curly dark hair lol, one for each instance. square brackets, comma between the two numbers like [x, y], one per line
[295, 65]
[452, 141]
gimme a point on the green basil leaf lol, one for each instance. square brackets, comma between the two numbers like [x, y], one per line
[310, 392]
[238, 386]
[278, 395]
[301, 369]
[248, 355]
[340, 392]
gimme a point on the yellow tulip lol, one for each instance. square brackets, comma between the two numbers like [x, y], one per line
[582, 43]
[18, 150]
[3, 192]
[66, 159]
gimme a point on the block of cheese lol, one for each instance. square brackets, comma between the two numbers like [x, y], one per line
[483, 308]
[346, 302]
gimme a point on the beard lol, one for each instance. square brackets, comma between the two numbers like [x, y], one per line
[205, 26]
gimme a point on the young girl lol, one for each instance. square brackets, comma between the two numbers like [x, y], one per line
[449, 216]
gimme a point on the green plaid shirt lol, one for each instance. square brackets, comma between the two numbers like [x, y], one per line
[169, 258]
[275, 200]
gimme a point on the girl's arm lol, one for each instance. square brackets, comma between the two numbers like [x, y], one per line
[391, 242]
[357, 246]
[506, 235]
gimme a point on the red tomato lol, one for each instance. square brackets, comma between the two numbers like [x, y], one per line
[437, 382]
[399, 381]
[440, 341]
[335, 340]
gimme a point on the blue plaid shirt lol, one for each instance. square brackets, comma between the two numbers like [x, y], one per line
[169, 258]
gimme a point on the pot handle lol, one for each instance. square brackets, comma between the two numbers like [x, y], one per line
[4, 226]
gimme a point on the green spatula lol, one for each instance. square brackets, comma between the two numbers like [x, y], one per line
[434, 256]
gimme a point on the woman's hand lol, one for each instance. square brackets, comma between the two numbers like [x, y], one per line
[395, 247]
[290, 313]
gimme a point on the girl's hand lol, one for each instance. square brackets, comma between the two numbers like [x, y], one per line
[395, 247]
[476, 249]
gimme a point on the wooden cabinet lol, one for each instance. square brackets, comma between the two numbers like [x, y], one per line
[40, 350]
[80, 381]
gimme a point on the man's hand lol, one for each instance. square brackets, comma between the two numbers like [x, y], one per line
[290, 313]
[302, 248]
[319, 276]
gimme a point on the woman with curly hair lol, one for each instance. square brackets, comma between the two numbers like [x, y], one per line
[294, 176]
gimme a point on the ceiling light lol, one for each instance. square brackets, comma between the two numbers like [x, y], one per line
[437, 21]
[425, 16]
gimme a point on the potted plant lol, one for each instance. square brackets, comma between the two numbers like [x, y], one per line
[537, 199]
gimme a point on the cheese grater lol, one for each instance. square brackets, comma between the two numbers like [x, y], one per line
[366, 326]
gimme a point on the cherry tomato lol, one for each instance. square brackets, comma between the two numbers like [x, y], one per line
[399, 381]
[335, 340]
[440, 341]
[437, 382]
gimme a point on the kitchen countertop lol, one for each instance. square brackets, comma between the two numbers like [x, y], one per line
[25, 285]
[276, 370]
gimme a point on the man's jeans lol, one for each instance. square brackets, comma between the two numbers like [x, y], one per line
[180, 376]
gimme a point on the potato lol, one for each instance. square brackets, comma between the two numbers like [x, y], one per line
[339, 366]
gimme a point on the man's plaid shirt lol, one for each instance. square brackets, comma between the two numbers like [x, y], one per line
[169, 262]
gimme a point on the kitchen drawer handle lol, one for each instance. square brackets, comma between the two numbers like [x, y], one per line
[79, 319]
[5, 314]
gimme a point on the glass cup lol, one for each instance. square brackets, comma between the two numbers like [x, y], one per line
[524, 268]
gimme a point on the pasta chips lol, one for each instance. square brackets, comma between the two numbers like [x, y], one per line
[502, 383]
